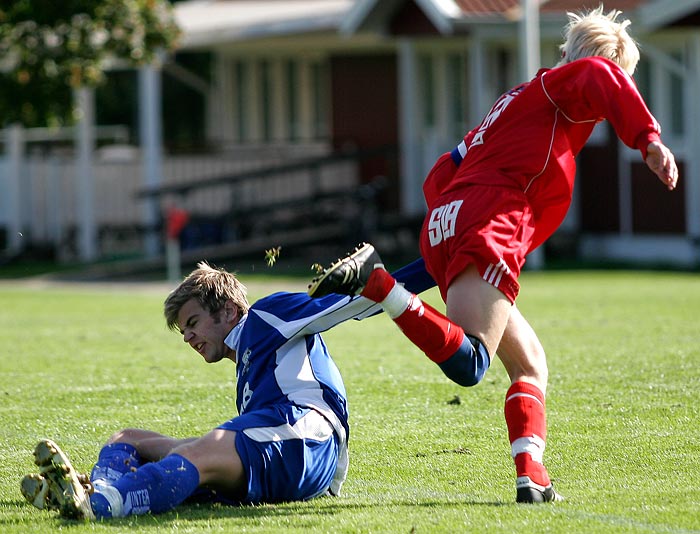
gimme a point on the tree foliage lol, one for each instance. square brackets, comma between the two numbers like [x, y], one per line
[48, 48]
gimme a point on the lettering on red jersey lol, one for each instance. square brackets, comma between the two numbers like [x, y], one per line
[442, 222]
[498, 108]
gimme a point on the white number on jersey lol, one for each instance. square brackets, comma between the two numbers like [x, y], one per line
[247, 394]
[442, 222]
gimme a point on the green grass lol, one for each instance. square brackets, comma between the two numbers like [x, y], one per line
[624, 358]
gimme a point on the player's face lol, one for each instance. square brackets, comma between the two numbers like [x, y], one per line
[205, 332]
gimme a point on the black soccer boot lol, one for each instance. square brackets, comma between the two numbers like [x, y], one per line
[348, 275]
[529, 492]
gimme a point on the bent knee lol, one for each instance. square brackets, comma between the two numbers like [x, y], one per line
[126, 435]
[469, 364]
[462, 377]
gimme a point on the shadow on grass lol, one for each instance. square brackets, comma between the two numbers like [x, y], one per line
[328, 506]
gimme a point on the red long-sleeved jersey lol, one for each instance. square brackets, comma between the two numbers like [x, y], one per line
[532, 134]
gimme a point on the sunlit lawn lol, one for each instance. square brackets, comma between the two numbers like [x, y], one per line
[80, 363]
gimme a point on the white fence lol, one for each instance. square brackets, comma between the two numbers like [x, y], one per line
[40, 200]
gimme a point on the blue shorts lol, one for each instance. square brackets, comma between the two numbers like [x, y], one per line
[288, 453]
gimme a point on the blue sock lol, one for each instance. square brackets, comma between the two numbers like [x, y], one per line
[468, 365]
[154, 487]
[114, 461]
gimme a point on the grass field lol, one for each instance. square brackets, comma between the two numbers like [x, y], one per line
[79, 363]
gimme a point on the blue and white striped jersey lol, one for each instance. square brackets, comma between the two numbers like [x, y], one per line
[282, 360]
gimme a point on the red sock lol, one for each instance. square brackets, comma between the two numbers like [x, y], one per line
[428, 329]
[432, 332]
[527, 430]
[379, 284]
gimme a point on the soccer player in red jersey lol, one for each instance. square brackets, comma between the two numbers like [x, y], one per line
[492, 200]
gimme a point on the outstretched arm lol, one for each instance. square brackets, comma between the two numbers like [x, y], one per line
[662, 163]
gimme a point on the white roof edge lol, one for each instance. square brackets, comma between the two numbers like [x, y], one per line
[222, 34]
[208, 22]
[204, 22]
[356, 15]
[655, 14]
[442, 13]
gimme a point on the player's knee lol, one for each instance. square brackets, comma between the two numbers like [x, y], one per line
[469, 364]
[126, 435]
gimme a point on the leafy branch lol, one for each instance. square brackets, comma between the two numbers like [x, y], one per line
[72, 49]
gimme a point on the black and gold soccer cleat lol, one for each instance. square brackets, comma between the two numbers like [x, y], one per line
[348, 275]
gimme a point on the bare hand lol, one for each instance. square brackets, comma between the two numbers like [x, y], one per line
[662, 163]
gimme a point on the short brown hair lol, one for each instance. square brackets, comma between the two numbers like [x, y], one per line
[212, 287]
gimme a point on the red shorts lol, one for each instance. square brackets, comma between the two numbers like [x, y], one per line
[490, 227]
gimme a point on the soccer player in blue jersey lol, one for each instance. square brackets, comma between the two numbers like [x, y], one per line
[289, 441]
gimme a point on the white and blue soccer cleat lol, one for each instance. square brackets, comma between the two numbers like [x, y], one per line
[57, 486]
[35, 488]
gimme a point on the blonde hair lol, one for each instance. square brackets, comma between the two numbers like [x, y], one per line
[599, 34]
[211, 287]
